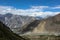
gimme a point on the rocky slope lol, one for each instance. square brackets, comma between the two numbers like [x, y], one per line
[15, 22]
[7, 34]
[48, 26]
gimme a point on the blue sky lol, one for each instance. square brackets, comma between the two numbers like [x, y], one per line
[30, 7]
[27, 3]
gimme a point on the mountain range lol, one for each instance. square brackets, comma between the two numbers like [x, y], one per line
[32, 25]
[34, 29]
[16, 22]
[47, 26]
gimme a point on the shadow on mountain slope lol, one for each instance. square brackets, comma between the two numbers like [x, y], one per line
[7, 34]
[31, 26]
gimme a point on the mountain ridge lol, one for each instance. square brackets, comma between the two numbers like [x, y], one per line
[48, 26]
[15, 22]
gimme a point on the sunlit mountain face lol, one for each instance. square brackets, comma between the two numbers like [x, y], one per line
[15, 22]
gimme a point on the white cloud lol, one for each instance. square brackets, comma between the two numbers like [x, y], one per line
[56, 7]
[32, 11]
[39, 7]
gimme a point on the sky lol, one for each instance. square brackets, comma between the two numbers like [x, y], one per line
[30, 7]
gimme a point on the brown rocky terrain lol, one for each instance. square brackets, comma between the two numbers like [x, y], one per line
[46, 29]
[50, 26]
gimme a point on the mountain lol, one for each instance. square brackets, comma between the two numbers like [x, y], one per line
[48, 26]
[38, 18]
[7, 34]
[15, 22]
